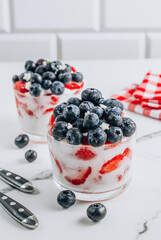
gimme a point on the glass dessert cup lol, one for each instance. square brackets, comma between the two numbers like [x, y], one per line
[34, 112]
[92, 173]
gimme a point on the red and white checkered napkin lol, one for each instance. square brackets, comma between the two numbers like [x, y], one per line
[144, 98]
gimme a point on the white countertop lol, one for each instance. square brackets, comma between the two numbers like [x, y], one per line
[136, 214]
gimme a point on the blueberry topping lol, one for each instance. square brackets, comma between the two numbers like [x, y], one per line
[128, 127]
[96, 137]
[97, 110]
[91, 121]
[113, 103]
[46, 84]
[114, 134]
[114, 110]
[84, 107]
[71, 113]
[74, 101]
[59, 109]
[59, 130]
[60, 118]
[26, 76]
[40, 69]
[68, 67]
[21, 140]
[74, 136]
[57, 88]
[65, 77]
[15, 78]
[51, 67]
[114, 119]
[66, 198]
[41, 62]
[49, 75]
[79, 124]
[30, 66]
[35, 89]
[91, 94]
[96, 212]
[77, 77]
[31, 155]
[36, 78]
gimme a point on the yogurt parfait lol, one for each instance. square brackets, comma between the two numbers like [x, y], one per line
[91, 142]
[42, 86]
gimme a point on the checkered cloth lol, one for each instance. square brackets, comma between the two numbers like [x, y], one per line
[144, 98]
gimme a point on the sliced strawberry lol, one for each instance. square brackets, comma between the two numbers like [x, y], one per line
[112, 164]
[48, 110]
[73, 69]
[81, 178]
[54, 100]
[74, 85]
[85, 153]
[20, 86]
[57, 162]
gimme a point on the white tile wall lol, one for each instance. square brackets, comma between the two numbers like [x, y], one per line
[101, 45]
[79, 29]
[19, 47]
[4, 16]
[55, 15]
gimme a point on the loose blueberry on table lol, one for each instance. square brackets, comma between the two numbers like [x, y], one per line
[31, 155]
[21, 140]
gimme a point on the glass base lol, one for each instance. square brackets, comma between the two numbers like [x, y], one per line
[35, 138]
[93, 197]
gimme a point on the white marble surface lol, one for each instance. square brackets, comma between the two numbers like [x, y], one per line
[136, 214]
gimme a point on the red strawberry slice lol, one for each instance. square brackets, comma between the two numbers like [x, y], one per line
[74, 85]
[81, 178]
[85, 153]
[48, 110]
[73, 69]
[20, 86]
[112, 164]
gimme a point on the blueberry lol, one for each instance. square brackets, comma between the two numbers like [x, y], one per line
[31, 155]
[41, 62]
[59, 130]
[21, 140]
[59, 109]
[128, 127]
[68, 67]
[66, 198]
[51, 67]
[36, 78]
[84, 107]
[71, 113]
[91, 94]
[65, 77]
[57, 88]
[91, 121]
[74, 136]
[60, 118]
[112, 102]
[40, 69]
[96, 137]
[115, 119]
[97, 110]
[74, 101]
[49, 75]
[30, 66]
[79, 124]
[35, 89]
[15, 78]
[57, 63]
[114, 110]
[114, 134]
[77, 77]
[26, 76]
[96, 212]
[46, 84]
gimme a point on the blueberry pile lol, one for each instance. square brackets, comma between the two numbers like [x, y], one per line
[47, 75]
[101, 120]
[95, 212]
